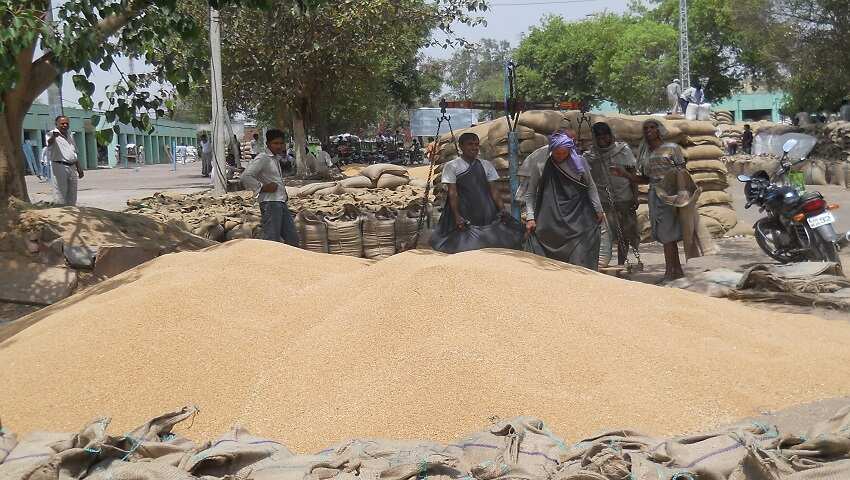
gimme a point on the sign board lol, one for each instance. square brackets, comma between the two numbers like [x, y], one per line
[423, 121]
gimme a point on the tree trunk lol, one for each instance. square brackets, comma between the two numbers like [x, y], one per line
[300, 137]
[12, 161]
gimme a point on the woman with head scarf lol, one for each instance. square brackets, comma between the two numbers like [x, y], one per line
[562, 205]
[658, 161]
[619, 196]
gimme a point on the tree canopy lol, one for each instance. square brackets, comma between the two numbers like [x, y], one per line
[87, 35]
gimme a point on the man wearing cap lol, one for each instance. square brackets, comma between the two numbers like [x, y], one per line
[62, 153]
[674, 91]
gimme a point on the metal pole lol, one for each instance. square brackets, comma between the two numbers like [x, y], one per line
[513, 141]
[218, 112]
[684, 48]
[54, 92]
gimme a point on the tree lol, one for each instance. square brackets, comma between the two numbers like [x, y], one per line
[477, 72]
[297, 63]
[817, 39]
[637, 65]
[618, 58]
[89, 34]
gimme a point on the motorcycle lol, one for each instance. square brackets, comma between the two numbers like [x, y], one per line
[797, 226]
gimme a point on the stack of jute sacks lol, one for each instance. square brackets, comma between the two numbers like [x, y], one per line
[722, 117]
[360, 233]
[697, 138]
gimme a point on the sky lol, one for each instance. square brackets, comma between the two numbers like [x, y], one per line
[506, 20]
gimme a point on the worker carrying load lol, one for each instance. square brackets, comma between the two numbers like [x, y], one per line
[474, 215]
[562, 206]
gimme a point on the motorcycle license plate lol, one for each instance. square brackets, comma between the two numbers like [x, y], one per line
[820, 220]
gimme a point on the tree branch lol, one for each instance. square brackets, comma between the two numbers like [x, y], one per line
[43, 72]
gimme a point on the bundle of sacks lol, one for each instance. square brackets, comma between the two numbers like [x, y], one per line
[723, 117]
[358, 233]
[348, 223]
[701, 146]
[245, 150]
[380, 175]
[514, 448]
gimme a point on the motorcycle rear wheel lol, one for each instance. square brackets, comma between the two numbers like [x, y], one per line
[768, 246]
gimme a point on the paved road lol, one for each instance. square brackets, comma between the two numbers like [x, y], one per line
[111, 188]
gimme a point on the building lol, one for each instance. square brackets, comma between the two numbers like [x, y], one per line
[92, 154]
[746, 106]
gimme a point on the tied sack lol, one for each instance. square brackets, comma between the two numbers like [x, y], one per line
[344, 236]
[379, 234]
[313, 231]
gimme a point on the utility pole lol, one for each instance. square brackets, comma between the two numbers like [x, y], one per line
[54, 92]
[684, 48]
[219, 122]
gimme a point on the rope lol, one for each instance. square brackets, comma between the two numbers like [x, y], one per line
[621, 242]
[423, 210]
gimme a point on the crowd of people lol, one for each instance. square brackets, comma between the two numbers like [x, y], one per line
[569, 194]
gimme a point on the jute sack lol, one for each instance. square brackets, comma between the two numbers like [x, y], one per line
[835, 173]
[815, 171]
[245, 230]
[532, 144]
[374, 172]
[710, 181]
[714, 198]
[406, 223]
[518, 448]
[359, 181]
[379, 234]
[700, 140]
[629, 129]
[694, 127]
[335, 189]
[543, 121]
[501, 163]
[313, 231]
[309, 190]
[344, 235]
[725, 216]
[498, 135]
[707, 166]
[714, 227]
[355, 191]
[418, 182]
[703, 152]
[644, 227]
[390, 180]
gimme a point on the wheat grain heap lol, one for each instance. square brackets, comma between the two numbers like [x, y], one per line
[311, 349]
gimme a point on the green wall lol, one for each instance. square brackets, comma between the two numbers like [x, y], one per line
[166, 133]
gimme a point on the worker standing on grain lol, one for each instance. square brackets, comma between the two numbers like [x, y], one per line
[265, 177]
[562, 206]
[474, 215]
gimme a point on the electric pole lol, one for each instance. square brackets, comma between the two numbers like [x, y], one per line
[684, 49]
[54, 92]
[219, 122]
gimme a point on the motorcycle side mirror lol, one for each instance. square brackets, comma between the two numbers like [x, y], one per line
[789, 145]
[744, 178]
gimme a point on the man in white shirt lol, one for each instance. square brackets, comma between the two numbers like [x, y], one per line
[62, 153]
[265, 178]
[206, 156]
[255, 145]
[480, 175]
[674, 91]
